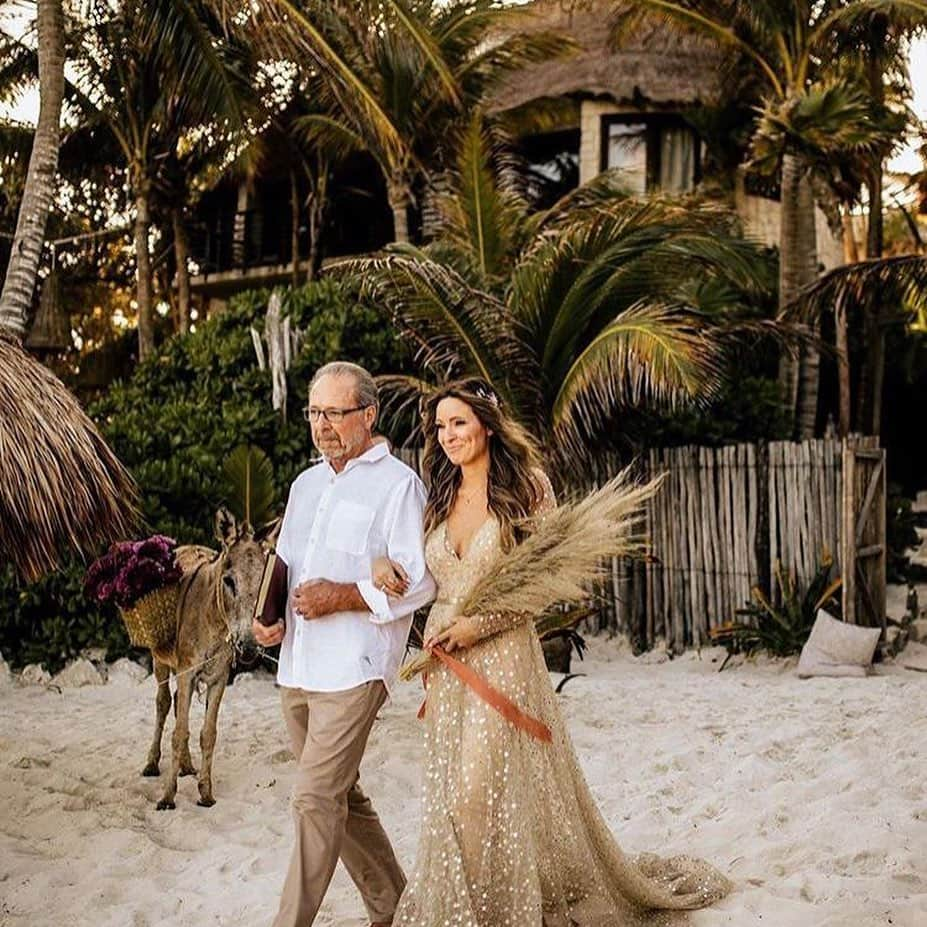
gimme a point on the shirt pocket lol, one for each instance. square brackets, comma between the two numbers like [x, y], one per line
[349, 527]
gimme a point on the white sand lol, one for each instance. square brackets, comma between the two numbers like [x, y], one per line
[810, 795]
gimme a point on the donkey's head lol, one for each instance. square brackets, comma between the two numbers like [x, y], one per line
[242, 560]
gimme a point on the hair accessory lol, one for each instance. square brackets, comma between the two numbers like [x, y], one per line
[488, 395]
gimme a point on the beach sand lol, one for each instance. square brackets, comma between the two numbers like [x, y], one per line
[811, 795]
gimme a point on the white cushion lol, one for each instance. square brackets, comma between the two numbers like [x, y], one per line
[835, 648]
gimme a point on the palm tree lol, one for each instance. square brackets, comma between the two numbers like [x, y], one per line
[884, 39]
[570, 313]
[892, 289]
[812, 110]
[151, 72]
[409, 82]
[26, 251]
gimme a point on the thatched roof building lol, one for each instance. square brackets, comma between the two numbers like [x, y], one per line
[656, 69]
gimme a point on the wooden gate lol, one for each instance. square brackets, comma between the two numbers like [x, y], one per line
[863, 535]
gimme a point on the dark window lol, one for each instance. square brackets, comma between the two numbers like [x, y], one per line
[552, 165]
[654, 152]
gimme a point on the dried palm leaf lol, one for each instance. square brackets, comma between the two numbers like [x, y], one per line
[566, 549]
[61, 487]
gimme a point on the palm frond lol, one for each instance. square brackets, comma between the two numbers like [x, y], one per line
[898, 281]
[186, 40]
[598, 261]
[18, 67]
[718, 22]
[61, 487]
[424, 39]
[249, 484]
[905, 15]
[482, 215]
[650, 352]
[337, 138]
[451, 326]
[292, 30]
[400, 398]
[827, 118]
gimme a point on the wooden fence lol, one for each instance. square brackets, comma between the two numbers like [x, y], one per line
[726, 517]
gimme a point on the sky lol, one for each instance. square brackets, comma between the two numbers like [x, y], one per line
[906, 161]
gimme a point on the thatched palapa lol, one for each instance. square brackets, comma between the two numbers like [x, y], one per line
[61, 487]
[658, 66]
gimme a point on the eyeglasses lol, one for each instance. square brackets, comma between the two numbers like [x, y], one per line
[334, 416]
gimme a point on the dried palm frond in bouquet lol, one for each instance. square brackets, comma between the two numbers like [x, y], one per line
[567, 547]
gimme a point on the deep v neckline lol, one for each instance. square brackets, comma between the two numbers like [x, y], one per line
[449, 546]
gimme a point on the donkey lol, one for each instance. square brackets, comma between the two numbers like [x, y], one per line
[217, 595]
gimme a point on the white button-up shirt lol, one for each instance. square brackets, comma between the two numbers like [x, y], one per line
[334, 526]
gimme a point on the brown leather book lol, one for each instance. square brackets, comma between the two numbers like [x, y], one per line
[270, 606]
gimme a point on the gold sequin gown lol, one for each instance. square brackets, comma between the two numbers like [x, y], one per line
[511, 836]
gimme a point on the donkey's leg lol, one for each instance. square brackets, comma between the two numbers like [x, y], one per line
[179, 738]
[208, 734]
[186, 761]
[162, 675]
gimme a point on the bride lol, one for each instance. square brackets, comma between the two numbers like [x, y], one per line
[511, 836]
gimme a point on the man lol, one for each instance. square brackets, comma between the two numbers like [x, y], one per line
[343, 639]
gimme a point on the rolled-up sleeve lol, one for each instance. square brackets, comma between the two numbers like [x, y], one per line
[406, 546]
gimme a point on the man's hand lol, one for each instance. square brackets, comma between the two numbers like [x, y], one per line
[320, 597]
[268, 636]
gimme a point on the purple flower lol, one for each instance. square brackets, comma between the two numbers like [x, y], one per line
[132, 569]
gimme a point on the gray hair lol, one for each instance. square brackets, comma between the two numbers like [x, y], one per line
[365, 387]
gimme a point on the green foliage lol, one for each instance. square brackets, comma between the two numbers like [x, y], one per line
[781, 629]
[249, 477]
[749, 408]
[51, 621]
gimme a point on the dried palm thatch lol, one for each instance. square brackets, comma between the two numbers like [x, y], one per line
[61, 487]
[658, 65]
[567, 548]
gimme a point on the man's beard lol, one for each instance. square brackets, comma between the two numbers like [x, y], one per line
[332, 447]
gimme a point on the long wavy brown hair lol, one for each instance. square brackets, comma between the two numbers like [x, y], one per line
[514, 490]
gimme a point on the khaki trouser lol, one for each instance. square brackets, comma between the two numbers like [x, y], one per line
[334, 818]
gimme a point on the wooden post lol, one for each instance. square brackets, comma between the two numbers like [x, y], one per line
[848, 533]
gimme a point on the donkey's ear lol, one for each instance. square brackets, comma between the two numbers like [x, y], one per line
[269, 533]
[226, 526]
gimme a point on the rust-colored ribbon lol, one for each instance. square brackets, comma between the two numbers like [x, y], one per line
[493, 697]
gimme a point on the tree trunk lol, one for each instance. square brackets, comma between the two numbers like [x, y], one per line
[873, 372]
[294, 227]
[39, 190]
[843, 367]
[399, 201]
[850, 249]
[842, 337]
[798, 376]
[316, 206]
[315, 253]
[181, 256]
[144, 296]
[869, 412]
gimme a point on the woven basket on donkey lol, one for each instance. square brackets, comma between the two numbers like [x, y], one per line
[152, 620]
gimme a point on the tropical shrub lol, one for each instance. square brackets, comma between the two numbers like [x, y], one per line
[51, 621]
[781, 629]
